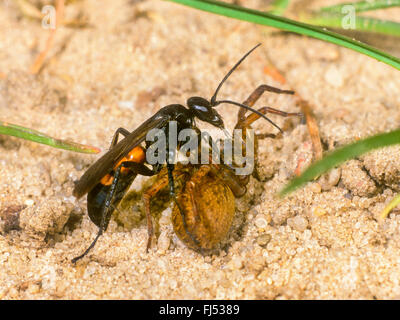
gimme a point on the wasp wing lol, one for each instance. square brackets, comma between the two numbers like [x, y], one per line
[107, 162]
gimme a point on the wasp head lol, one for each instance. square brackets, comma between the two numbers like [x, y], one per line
[203, 110]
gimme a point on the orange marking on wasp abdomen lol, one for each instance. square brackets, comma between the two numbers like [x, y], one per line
[136, 155]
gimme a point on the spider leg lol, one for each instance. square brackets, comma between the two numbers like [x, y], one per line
[255, 95]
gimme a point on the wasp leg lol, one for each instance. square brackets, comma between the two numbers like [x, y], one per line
[162, 182]
[108, 207]
[171, 185]
[119, 131]
[105, 216]
[256, 94]
[138, 168]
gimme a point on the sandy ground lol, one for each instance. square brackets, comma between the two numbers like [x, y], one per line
[323, 241]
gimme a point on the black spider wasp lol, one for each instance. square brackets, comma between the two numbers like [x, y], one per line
[108, 179]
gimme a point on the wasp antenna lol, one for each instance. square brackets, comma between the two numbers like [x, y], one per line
[214, 97]
[250, 109]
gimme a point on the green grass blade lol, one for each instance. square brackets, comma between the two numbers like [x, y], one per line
[365, 24]
[278, 7]
[263, 18]
[393, 204]
[341, 155]
[363, 6]
[36, 136]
